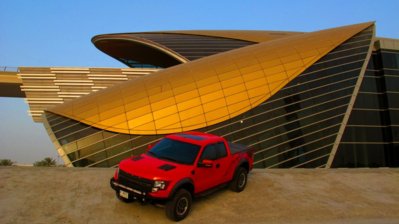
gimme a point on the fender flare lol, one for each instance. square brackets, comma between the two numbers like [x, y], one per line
[180, 184]
[240, 164]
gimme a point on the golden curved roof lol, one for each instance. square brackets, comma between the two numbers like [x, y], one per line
[205, 91]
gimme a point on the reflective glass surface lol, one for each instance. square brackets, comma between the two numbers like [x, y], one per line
[371, 135]
[194, 47]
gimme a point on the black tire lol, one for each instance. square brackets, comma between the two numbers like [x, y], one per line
[179, 206]
[123, 199]
[240, 180]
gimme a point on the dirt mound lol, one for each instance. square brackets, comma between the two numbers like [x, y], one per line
[83, 195]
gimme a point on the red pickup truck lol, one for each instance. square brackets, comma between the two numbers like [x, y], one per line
[180, 167]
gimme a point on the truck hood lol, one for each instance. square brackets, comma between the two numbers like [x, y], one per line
[149, 167]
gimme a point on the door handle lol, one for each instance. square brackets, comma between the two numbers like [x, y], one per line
[217, 165]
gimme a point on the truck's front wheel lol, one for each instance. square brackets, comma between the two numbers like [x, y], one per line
[179, 206]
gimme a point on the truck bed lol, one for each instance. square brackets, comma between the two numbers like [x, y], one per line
[237, 148]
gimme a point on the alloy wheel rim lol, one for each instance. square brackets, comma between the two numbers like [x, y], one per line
[242, 180]
[182, 206]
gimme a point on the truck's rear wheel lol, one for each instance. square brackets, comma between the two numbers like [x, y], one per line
[179, 206]
[240, 180]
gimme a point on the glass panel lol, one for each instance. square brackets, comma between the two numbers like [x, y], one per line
[360, 155]
[390, 60]
[392, 83]
[367, 101]
[98, 157]
[91, 149]
[394, 117]
[79, 133]
[393, 100]
[363, 134]
[365, 117]
[89, 140]
[395, 134]
[371, 84]
[115, 160]
[121, 148]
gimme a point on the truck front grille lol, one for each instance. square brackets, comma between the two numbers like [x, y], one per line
[135, 182]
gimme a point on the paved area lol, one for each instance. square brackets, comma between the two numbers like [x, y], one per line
[81, 195]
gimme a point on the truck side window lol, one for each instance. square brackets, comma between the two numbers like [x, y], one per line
[214, 151]
[209, 153]
[221, 150]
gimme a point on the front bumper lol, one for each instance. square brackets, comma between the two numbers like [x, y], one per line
[134, 194]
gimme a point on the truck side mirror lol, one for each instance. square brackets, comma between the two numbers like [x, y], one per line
[206, 163]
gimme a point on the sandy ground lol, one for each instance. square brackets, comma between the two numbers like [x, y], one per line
[81, 195]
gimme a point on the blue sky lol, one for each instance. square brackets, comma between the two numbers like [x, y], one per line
[58, 33]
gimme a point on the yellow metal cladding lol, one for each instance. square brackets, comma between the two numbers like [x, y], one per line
[45, 87]
[9, 78]
[205, 91]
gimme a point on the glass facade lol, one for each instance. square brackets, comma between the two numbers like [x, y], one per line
[296, 127]
[163, 50]
[194, 47]
[88, 146]
[321, 116]
[371, 135]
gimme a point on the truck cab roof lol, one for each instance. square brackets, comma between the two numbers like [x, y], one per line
[198, 138]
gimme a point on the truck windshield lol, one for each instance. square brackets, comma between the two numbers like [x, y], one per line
[175, 151]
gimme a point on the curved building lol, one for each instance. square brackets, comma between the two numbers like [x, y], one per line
[319, 99]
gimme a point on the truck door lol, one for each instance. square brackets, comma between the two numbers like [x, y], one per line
[208, 177]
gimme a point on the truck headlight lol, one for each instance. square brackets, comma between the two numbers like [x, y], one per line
[159, 185]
